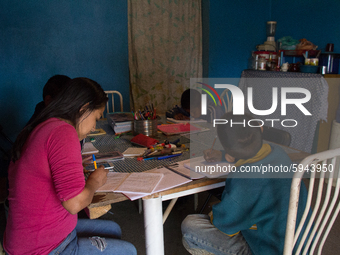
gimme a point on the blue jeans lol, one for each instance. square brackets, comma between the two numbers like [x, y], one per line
[95, 237]
[200, 234]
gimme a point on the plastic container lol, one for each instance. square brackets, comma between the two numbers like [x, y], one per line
[268, 55]
[145, 127]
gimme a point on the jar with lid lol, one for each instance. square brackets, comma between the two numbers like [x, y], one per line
[262, 64]
[253, 61]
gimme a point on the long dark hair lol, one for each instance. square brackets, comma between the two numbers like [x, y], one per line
[80, 96]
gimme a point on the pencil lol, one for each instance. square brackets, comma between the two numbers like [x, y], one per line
[94, 161]
[212, 146]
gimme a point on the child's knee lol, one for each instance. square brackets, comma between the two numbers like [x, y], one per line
[187, 223]
[193, 222]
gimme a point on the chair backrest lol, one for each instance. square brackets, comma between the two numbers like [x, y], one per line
[110, 94]
[322, 201]
[276, 135]
[228, 104]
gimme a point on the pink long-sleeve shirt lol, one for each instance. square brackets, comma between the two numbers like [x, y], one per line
[48, 172]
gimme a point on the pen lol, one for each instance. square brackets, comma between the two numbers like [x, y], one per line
[169, 156]
[149, 158]
[213, 145]
[173, 170]
[143, 159]
[94, 161]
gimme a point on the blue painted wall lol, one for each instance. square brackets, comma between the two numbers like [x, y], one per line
[236, 27]
[42, 38]
[89, 38]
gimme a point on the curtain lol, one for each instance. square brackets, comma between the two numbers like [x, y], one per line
[165, 50]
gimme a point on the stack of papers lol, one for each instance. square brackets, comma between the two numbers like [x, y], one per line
[121, 122]
[142, 183]
[120, 128]
[138, 185]
[169, 180]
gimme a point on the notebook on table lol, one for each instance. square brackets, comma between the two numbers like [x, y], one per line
[143, 140]
[174, 129]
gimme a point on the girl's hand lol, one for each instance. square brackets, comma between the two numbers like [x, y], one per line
[98, 177]
[94, 181]
[212, 155]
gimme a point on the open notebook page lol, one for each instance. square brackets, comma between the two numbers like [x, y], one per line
[140, 183]
[169, 180]
[113, 181]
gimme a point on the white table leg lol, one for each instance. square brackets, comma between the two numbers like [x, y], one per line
[169, 208]
[153, 226]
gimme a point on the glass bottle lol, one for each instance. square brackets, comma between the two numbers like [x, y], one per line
[262, 64]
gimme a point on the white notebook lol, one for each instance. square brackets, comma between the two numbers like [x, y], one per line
[192, 120]
[134, 152]
[140, 183]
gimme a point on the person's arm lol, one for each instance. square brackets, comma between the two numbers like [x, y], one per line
[172, 112]
[94, 181]
[65, 162]
[181, 116]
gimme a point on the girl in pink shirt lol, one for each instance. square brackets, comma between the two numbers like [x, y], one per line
[46, 182]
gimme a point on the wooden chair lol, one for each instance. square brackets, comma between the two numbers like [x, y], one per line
[110, 94]
[323, 201]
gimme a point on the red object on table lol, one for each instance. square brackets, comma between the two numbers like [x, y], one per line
[144, 140]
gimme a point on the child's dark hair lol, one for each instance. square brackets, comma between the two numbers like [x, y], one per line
[190, 97]
[54, 85]
[239, 140]
[80, 96]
